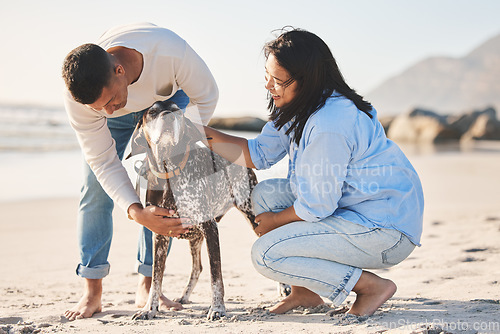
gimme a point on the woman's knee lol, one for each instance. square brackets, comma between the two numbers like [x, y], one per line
[271, 194]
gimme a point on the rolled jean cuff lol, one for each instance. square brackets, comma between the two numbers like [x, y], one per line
[343, 291]
[97, 272]
[144, 269]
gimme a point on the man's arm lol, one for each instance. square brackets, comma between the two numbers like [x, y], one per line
[194, 77]
[99, 150]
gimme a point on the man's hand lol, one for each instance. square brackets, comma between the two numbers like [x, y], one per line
[159, 220]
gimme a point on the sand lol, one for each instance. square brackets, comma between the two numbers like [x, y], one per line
[449, 284]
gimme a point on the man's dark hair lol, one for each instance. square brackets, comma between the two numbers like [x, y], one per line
[311, 64]
[86, 71]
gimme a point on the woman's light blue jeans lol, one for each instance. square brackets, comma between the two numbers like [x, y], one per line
[95, 222]
[328, 256]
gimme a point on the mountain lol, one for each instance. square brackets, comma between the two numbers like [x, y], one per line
[444, 84]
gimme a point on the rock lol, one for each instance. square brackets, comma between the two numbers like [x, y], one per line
[238, 123]
[421, 126]
[464, 122]
[485, 127]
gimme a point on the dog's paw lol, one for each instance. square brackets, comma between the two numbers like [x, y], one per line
[215, 313]
[144, 314]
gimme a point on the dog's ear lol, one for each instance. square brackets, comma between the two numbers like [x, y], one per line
[138, 143]
[193, 132]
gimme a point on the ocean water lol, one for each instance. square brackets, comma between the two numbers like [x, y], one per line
[38, 154]
[35, 129]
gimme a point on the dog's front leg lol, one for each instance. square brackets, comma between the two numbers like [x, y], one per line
[160, 248]
[195, 245]
[217, 308]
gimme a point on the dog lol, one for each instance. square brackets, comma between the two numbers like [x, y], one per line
[197, 184]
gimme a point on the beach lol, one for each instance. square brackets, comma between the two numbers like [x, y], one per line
[450, 284]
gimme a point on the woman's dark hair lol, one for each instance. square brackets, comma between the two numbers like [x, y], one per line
[311, 64]
[86, 71]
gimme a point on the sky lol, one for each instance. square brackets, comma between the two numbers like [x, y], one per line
[371, 40]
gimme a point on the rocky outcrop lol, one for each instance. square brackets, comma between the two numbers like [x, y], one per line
[238, 123]
[425, 126]
[483, 128]
[421, 126]
[462, 123]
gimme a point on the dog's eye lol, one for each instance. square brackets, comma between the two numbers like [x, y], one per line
[170, 116]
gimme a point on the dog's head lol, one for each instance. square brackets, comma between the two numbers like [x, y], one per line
[163, 131]
[164, 124]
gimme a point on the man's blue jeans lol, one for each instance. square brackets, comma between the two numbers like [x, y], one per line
[95, 222]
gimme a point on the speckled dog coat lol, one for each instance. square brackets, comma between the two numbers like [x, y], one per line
[196, 183]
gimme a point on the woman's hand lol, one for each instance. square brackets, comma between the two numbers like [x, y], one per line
[159, 220]
[268, 221]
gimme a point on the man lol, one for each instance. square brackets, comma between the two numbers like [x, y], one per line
[109, 86]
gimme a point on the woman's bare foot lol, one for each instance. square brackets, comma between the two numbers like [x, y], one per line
[371, 292]
[142, 295]
[299, 296]
[90, 303]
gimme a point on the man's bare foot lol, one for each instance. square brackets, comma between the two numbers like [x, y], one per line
[90, 302]
[371, 292]
[299, 296]
[142, 295]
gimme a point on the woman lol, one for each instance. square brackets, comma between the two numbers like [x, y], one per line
[351, 201]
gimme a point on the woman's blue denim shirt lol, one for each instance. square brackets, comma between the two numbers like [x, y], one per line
[346, 167]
